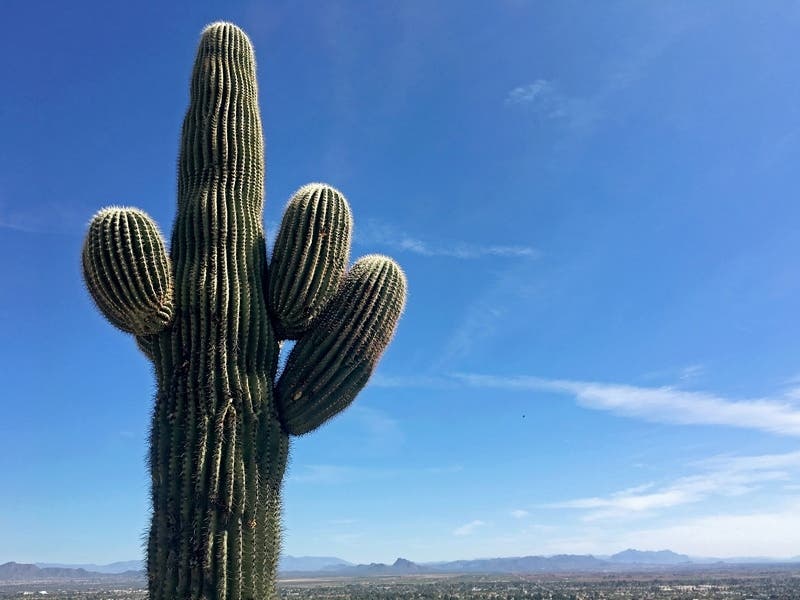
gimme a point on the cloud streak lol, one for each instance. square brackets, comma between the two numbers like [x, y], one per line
[328, 474]
[489, 315]
[540, 91]
[777, 415]
[468, 528]
[52, 218]
[580, 113]
[331, 474]
[375, 233]
[381, 380]
[543, 98]
[661, 404]
[766, 531]
[721, 477]
[773, 532]
[381, 431]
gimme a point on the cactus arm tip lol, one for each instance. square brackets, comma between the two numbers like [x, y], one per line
[309, 258]
[127, 270]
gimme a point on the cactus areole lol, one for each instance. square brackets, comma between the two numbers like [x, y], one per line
[211, 314]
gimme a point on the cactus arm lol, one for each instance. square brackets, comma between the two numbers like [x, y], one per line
[146, 343]
[309, 258]
[127, 271]
[332, 362]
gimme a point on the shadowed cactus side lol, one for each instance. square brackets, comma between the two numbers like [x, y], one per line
[211, 315]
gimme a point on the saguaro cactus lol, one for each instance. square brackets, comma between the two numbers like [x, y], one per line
[211, 316]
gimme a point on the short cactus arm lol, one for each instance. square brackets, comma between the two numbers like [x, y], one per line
[128, 272]
[334, 360]
[309, 258]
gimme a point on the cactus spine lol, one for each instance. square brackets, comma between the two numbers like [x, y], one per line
[210, 316]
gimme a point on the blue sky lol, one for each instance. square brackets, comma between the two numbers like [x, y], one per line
[595, 205]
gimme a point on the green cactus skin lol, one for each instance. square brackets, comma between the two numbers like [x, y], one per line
[331, 363]
[128, 272]
[310, 257]
[211, 315]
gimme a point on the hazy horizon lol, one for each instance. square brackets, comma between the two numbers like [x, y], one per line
[438, 561]
[596, 209]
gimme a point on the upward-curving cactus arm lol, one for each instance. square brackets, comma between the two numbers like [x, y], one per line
[333, 361]
[210, 316]
[309, 257]
[128, 272]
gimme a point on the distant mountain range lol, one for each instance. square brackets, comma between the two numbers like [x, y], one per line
[287, 563]
[116, 567]
[648, 557]
[520, 564]
[19, 572]
[626, 560]
[311, 563]
[310, 566]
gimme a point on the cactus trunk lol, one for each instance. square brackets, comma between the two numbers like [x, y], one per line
[218, 452]
[215, 480]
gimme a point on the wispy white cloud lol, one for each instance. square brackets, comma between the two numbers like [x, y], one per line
[786, 460]
[661, 404]
[691, 372]
[51, 217]
[468, 528]
[411, 381]
[481, 322]
[772, 531]
[779, 414]
[792, 380]
[581, 112]
[376, 233]
[494, 309]
[326, 474]
[380, 429]
[330, 474]
[721, 477]
[541, 91]
[767, 532]
[544, 99]
[677, 375]
[519, 513]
